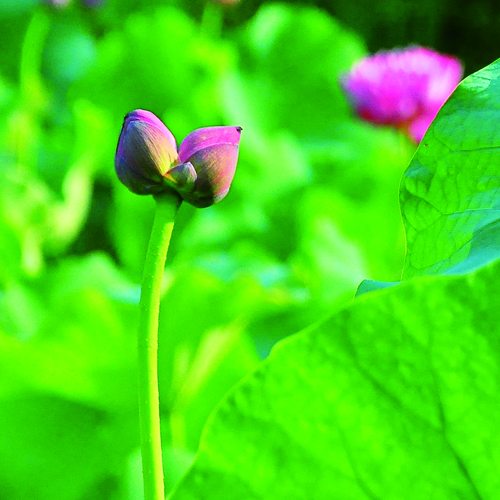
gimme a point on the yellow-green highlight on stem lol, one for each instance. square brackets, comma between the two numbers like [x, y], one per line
[167, 205]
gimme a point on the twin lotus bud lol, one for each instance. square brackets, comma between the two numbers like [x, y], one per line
[201, 171]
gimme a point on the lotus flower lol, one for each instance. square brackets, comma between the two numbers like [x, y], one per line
[404, 88]
[201, 171]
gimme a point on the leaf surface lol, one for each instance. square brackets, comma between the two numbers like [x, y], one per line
[450, 194]
[397, 396]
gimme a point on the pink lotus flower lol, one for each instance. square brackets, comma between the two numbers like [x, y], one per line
[201, 171]
[404, 88]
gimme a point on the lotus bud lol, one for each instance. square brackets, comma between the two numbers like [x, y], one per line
[208, 159]
[201, 172]
[146, 151]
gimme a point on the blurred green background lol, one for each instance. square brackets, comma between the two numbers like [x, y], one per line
[313, 210]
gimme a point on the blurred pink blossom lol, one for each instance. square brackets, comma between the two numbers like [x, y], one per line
[404, 88]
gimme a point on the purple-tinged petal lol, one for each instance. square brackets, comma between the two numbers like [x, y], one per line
[149, 118]
[213, 153]
[137, 183]
[146, 150]
[208, 136]
[215, 167]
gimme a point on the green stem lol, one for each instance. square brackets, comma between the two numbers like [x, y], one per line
[167, 205]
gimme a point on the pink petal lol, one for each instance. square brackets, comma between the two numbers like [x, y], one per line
[419, 126]
[399, 86]
[205, 137]
[146, 150]
[215, 168]
[144, 116]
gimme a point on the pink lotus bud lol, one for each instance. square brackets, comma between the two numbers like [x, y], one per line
[208, 159]
[147, 162]
[404, 88]
[146, 150]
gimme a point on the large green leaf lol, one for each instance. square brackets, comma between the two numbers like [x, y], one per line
[396, 396]
[450, 194]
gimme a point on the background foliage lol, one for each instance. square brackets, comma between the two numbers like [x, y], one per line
[400, 383]
[313, 210]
